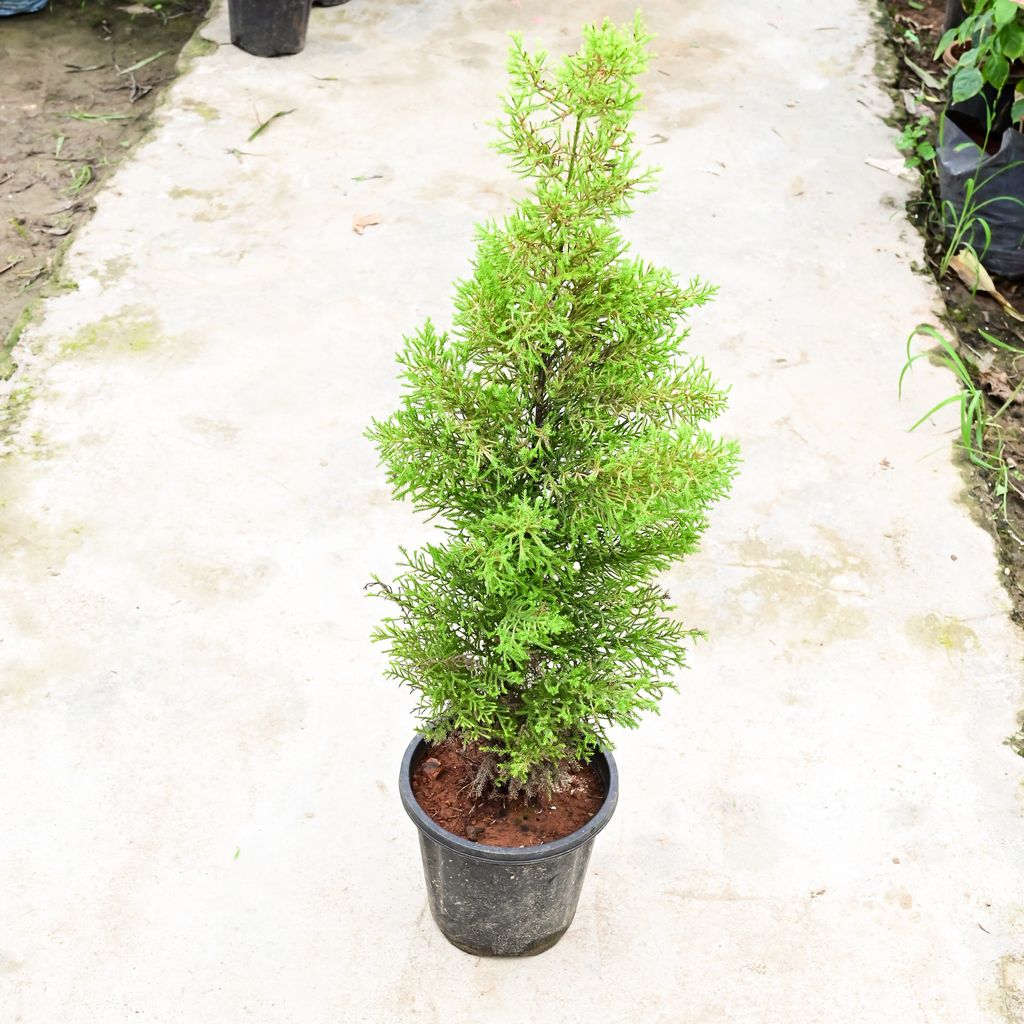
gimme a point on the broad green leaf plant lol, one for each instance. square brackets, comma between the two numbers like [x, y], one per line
[991, 40]
[557, 434]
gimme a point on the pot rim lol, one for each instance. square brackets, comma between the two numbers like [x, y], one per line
[951, 57]
[507, 854]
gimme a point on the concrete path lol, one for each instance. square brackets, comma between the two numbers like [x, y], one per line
[198, 758]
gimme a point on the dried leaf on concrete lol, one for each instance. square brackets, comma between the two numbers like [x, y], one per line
[364, 220]
[896, 166]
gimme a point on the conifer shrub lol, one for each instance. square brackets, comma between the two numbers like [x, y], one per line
[557, 435]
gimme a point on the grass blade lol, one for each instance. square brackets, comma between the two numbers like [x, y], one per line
[264, 125]
[142, 63]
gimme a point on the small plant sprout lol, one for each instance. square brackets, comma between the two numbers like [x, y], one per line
[980, 437]
[915, 142]
[557, 434]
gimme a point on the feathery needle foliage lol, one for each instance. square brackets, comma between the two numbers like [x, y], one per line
[557, 435]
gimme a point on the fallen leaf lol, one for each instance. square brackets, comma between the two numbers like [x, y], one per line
[929, 79]
[915, 106]
[999, 386]
[896, 167]
[363, 221]
[975, 276]
[138, 9]
[49, 229]
[984, 364]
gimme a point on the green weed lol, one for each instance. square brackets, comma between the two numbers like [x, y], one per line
[979, 428]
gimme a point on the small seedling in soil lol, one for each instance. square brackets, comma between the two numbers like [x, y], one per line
[915, 143]
[79, 180]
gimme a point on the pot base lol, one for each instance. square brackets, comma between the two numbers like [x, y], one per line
[541, 946]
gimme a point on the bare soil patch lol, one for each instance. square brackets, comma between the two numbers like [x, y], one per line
[78, 82]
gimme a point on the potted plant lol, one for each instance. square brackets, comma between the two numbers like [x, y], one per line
[983, 50]
[980, 156]
[557, 432]
[273, 29]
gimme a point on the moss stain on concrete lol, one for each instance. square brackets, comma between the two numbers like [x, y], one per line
[827, 588]
[942, 631]
[12, 415]
[190, 193]
[7, 363]
[204, 110]
[1011, 988]
[113, 269]
[127, 331]
[197, 46]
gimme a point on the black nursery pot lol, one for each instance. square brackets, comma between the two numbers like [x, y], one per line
[502, 900]
[955, 14]
[269, 29]
[996, 193]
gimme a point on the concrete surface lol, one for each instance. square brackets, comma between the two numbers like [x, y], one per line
[198, 755]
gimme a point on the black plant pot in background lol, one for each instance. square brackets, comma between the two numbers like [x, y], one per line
[269, 28]
[995, 194]
[989, 112]
[503, 900]
[955, 14]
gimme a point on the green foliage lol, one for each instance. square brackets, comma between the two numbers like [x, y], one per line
[915, 142]
[980, 436]
[990, 40]
[557, 434]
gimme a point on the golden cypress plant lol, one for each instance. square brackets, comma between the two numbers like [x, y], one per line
[557, 432]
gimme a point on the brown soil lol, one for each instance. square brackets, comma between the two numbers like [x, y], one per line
[443, 786]
[70, 108]
[999, 499]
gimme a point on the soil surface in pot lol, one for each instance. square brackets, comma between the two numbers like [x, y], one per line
[443, 786]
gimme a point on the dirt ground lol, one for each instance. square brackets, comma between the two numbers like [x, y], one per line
[78, 82]
[996, 374]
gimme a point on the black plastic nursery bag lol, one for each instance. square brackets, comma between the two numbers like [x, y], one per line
[997, 196]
